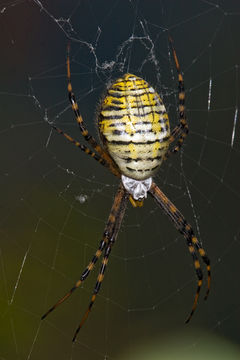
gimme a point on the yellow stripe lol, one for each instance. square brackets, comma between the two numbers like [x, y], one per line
[100, 277]
[202, 252]
[196, 264]
[133, 112]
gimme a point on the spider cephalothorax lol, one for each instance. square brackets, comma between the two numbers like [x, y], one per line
[134, 128]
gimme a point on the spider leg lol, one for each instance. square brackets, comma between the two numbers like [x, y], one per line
[180, 132]
[107, 236]
[83, 129]
[184, 228]
[84, 275]
[83, 147]
[116, 221]
[96, 289]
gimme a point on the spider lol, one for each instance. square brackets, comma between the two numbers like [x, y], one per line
[136, 138]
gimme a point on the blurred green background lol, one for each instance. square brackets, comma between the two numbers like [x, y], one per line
[55, 201]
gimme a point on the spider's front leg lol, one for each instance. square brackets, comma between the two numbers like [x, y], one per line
[112, 228]
[192, 242]
[110, 232]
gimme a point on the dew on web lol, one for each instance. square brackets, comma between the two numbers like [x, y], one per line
[56, 200]
[81, 198]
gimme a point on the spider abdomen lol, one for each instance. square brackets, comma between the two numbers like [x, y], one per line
[134, 126]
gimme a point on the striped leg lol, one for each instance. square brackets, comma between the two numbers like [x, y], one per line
[107, 236]
[96, 289]
[84, 275]
[82, 147]
[117, 220]
[193, 244]
[89, 138]
[180, 132]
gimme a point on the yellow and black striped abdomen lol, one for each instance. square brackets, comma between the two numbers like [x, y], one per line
[134, 126]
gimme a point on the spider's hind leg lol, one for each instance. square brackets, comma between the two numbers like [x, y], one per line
[180, 132]
[82, 147]
[82, 126]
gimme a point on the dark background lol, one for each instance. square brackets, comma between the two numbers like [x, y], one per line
[48, 234]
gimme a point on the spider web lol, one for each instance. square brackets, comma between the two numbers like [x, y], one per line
[55, 200]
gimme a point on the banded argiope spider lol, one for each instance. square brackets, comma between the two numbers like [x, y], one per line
[136, 138]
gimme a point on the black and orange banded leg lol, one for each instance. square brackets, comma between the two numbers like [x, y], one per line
[193, 244]
[180, 132]
[83, 277]
[107, 236]
[96, 289]
[117, 223]
[82, 147]
[83, 129]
